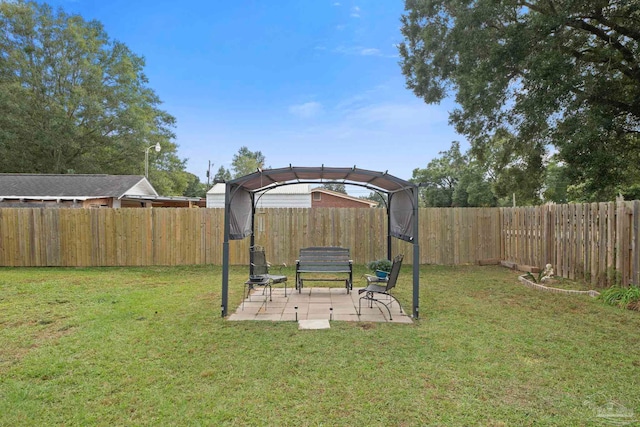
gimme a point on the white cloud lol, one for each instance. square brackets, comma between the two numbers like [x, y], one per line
[340, 27]
[359, 50]
[393, 115]
[382, 128]
[306, 110]
[370, 52]
[337, 4]
[406, 131]
[355, 12]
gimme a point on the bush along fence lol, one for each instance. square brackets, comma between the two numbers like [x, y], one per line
[595, 242]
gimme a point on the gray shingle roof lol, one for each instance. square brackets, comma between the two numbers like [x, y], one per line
[43, 185]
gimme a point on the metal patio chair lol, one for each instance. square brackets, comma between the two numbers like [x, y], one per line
[378, 288]
[259, 274]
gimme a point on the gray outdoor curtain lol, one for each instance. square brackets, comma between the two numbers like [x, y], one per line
[401, 215]
[240, 212]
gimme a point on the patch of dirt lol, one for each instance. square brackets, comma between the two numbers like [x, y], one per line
[634, 306]
[366, 325]
[51, 332]
[210, 296]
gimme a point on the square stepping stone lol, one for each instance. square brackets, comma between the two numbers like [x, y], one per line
[314, 324]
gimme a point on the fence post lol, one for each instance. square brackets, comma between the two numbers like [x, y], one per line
[635, 243]
[619, 236]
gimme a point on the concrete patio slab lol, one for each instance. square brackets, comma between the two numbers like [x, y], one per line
[313, 304]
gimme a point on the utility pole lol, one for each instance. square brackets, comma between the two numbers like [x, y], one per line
[209, 173]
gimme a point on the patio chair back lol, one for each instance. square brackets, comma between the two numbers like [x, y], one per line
[395, 272]
[258, 262]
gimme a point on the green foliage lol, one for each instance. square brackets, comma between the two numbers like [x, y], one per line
[552, 74]
[544, 274]
[513, 167]
[167, 175]
[534, 279]
[381, 264]
[246, 162]
[381, 199]
[195, 188]
[621, 296]
[71, 99]
[454, 179]
[223, 174]
[440, 177]
[335, 186]
[556, 183]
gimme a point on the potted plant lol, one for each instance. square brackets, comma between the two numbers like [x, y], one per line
[380, 267]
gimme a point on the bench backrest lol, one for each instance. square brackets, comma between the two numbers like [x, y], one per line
[321, 258]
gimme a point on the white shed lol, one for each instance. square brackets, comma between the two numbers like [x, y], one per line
[286, 196]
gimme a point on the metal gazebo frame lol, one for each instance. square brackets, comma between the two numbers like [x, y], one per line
[402, 208]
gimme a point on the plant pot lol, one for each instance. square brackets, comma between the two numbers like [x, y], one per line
[381, 274]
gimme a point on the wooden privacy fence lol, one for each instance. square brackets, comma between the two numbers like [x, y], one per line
[182, 236]
[595, 242]
[108, 237]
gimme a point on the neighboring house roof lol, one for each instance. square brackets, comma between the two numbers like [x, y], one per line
[219, 188]
[48, 186]
[369, 203]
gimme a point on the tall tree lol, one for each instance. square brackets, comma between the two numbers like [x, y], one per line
[72, 100]
[195, 188]
[440, 177]
[513, 167]
[454, 179]
[556, 183]
[246, 161]
[553, 73]
[223, 174]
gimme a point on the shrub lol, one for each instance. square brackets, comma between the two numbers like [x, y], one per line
[623, 297]
[381, 264]
[543, 275]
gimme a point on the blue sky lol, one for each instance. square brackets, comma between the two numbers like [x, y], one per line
[305, 82]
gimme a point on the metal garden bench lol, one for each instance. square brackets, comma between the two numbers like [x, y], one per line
[323, 263]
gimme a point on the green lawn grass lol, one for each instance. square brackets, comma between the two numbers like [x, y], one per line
[147, 346]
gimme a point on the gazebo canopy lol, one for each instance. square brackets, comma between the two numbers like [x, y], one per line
[402, 207]
[263, 179]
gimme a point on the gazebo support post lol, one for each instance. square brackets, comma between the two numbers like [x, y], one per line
[416, 255]
[389, 195]
[225, 252]
[252, 238]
